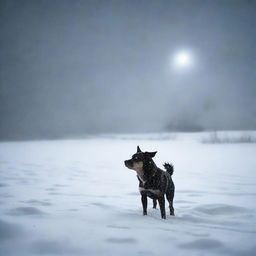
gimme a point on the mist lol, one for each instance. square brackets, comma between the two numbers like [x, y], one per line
[71, 68]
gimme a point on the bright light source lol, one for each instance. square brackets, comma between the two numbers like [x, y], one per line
[182, 59]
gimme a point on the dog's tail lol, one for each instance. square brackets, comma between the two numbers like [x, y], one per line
[169, 168]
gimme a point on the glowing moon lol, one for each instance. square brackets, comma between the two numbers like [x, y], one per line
[182, 60]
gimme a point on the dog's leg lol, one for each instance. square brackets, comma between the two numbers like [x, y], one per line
[154, 203]
[169, 196]
[161, 201]
[144, 201]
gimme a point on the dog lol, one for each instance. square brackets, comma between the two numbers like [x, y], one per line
[153, 182]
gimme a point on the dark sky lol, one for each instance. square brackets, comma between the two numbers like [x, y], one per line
[70, 67]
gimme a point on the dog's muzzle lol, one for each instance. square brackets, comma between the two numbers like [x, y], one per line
[128, 164]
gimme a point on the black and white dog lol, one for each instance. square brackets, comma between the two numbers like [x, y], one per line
[153, 182]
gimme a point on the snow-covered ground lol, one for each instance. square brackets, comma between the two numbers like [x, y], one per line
[75, 197]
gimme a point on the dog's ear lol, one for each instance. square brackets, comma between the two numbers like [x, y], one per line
[138, 149]
[151, 154]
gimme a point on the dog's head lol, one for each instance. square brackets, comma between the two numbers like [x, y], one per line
[140, 160]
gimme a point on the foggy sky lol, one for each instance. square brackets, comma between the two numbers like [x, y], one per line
[71, 67]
